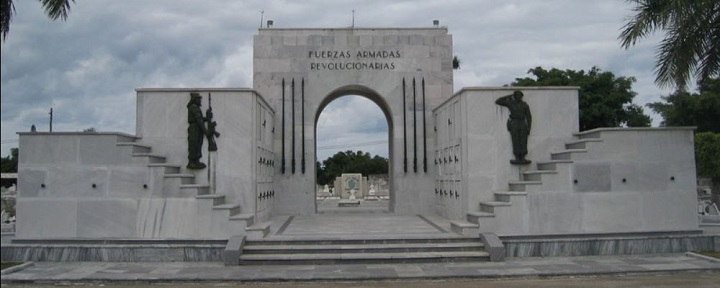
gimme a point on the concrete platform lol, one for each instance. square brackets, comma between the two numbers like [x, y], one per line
[333, 206]
[348, 203]
[353, 225]
[84, 272]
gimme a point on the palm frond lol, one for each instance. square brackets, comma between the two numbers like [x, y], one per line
[709, 66]
[57, 9]
[691, 47]
[6, 15]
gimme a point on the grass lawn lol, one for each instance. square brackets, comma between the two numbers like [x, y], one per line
[6, 265]
[711, 254]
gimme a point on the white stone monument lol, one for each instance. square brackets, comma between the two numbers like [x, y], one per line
[449, 149]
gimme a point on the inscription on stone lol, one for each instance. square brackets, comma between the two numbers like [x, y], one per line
[354, 60]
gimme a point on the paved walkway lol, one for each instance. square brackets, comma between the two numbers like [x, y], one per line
[330, 206]
[53, 272]
[353, 225]
[349, 226]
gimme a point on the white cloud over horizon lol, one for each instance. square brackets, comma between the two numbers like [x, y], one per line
[87, 67]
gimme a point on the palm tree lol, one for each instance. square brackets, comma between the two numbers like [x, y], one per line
[53, 8]
[691, 47]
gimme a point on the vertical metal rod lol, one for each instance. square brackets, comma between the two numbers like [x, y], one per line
[51, 115]
[302, 123]
[282, 162]
[292, 153]
[262, 14]
[404, 130]
[424, 129]
[414, 127]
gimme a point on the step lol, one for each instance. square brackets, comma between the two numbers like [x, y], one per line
[202, 189]
[233, 209]
[520, 185]
[363, 258]
[136, 147]
[552, 164]
[360, 239]
[125, 138]
[258, 231]
[504, 196]
[249, 218]
[474, 217]
[245, 216]
[216, 199]
[184, 178]
[489, 206]
[169, 168]
[588, 135]
[565, 154]
[536, 175]
[152, 158]
[465, 228]
[253, 248]
[581, 144]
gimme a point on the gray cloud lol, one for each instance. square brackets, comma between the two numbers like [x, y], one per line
[352, 123]
[87, 68]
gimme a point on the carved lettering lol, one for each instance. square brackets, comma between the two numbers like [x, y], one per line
[334, 60]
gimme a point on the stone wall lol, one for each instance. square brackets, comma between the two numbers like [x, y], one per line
[162, 124]
[631, 180]
[96, 185]
[472, 129]
[78, 185]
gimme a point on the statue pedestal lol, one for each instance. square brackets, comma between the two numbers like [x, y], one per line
[352, 194]
[520, 162]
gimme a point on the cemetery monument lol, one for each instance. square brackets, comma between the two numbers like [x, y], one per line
[508, 160]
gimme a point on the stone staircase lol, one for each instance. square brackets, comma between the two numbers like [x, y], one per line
[550, 175]
[308, 251]
[226, 219]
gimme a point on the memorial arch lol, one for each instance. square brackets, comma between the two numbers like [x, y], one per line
[405, 71]
[379, 101]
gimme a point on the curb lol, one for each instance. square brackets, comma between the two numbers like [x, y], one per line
[160, 280]
[703, 257]
[16, 268]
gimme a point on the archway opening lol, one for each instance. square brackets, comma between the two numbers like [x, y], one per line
[353, 140]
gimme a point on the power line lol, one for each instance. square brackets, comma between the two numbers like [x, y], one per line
[9, 141]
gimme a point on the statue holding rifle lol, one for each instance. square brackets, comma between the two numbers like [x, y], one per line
[198, 131]
[212, 132]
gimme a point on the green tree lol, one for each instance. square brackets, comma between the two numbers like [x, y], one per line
[700, 109]
[691, 46]
[9, 164]
[707, 159]
[605, 100]
[349, 162]
[55, 9]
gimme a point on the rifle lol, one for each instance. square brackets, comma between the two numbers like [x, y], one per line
[211, 131]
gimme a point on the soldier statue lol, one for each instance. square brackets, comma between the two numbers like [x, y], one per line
[518, 124]
[197, 131]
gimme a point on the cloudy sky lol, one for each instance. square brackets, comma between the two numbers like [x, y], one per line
[87, 68]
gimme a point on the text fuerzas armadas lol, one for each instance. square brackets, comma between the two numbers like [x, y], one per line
[353, 60]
